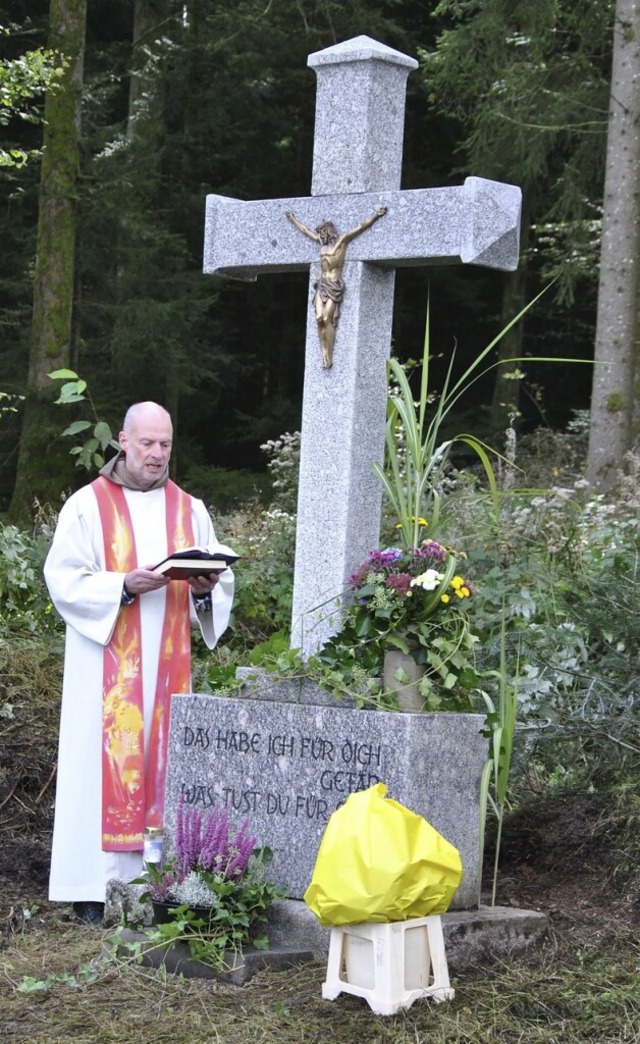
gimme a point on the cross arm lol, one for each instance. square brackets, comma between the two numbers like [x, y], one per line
[475, 223]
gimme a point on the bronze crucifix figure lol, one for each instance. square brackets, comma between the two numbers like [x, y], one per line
[330, 288]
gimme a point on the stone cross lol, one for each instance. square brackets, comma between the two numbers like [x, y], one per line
[356, 169]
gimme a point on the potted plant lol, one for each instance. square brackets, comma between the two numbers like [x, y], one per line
[212, 890]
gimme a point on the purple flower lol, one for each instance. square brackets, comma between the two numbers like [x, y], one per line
[205, 843]
[390, 556]
[400, 583]
[358, 578]
[215, 841]
[431, 549]
[187, 842]
[241, 848]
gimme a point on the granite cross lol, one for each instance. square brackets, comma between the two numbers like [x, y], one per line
[356, 170]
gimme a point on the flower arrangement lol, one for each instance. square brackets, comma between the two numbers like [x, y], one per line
[212, 888]
[404, 588]
[412, 599]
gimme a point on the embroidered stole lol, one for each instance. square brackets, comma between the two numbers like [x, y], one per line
[133, 797]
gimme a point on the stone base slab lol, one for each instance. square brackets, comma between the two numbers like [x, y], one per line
[239, 969]
[472, 938]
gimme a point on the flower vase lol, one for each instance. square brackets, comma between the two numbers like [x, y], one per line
[402, 674]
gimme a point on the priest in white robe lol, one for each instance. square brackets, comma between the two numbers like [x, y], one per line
[100, 575]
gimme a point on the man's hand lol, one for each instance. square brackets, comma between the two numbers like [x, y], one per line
[202, 585]
[141, 581]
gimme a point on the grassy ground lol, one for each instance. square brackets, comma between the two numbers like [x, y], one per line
[572, 853]
[560, 998]
[569, 854]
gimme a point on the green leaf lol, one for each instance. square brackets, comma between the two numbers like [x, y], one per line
[399, 642]
[77, 427]
[72, 392]
[63, 375]
[102, 433]
[30, 985]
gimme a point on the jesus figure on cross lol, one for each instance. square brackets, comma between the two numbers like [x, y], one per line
[329, 290]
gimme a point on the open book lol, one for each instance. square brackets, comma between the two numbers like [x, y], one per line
[197, 561]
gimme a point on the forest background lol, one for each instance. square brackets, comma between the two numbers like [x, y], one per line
[101, 268]
[101, 272]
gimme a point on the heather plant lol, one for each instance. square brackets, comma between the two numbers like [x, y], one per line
[204, 851]
[206, 844]
[212, 891]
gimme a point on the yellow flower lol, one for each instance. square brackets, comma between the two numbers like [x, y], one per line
[421, 521]
[445, 598]
[456, 583]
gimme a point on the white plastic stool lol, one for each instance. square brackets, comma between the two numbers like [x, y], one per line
[390, 965]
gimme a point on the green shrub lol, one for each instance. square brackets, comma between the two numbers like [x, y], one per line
[25, 606]
[265, 539]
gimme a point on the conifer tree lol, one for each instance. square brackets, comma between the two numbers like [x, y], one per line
[527, 83]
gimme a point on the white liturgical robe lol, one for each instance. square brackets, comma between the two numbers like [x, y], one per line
[89, 599]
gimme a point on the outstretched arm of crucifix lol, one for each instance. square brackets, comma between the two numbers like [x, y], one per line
[302, 228]
[348, 236]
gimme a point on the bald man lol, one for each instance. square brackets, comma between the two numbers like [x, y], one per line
[127, 650]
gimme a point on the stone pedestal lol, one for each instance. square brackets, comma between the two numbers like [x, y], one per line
[287, 766]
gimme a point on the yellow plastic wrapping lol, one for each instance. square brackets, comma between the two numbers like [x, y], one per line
[378, 861]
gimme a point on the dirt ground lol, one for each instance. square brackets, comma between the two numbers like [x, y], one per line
[569, 855]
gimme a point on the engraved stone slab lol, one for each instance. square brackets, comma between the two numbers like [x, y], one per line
[287, 767]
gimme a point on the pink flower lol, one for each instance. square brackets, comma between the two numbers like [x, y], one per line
[400, 583]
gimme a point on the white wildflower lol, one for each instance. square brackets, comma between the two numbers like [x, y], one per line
[427, 581]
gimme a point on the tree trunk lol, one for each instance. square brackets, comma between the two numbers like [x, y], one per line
[612, 399]
[54, 271]
[144, 102]
[505, 406]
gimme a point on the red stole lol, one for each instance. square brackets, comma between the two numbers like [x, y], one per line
[133, 797]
